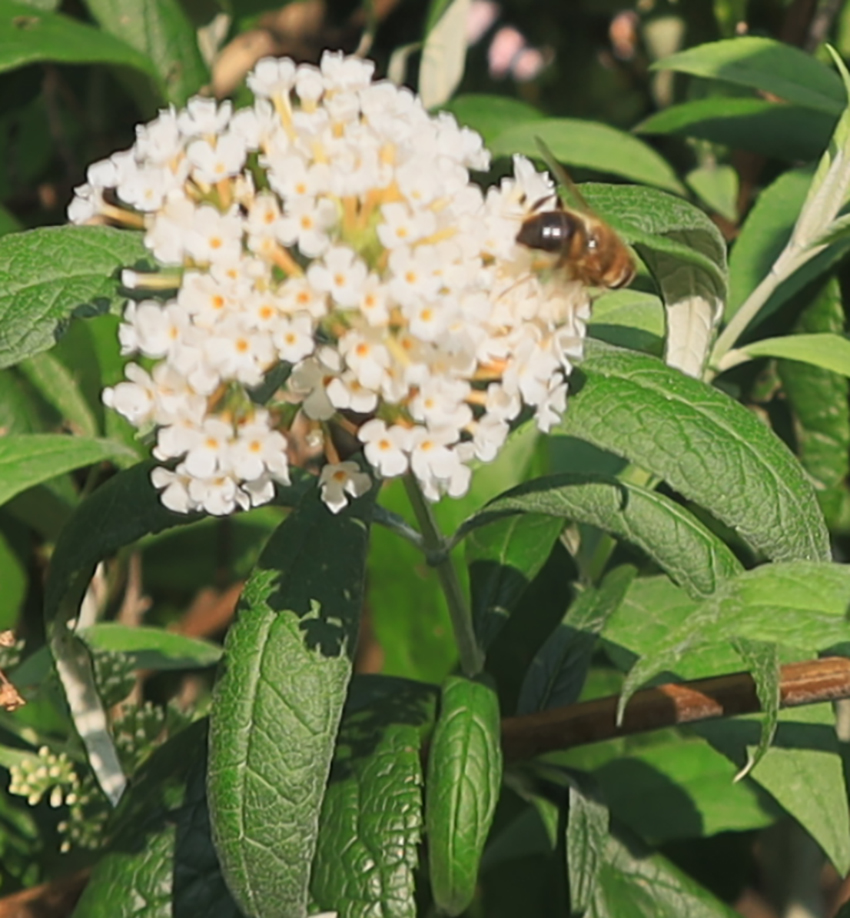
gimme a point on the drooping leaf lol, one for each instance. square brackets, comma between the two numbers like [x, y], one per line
[766, 65]
[462, 788]
[761, 659]
[589, 145]
[558, 671]
[371, 819]
[668, 533]
[28, 35]
[798, 604]
[706, 445]
[52, 274]
[278, 703]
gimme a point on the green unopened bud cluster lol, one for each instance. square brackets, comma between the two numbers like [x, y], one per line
[115, 676]
[136, 732]
[45, 774]
[87, 815]
[54, 776]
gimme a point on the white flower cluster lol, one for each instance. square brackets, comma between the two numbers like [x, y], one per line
[332, 227]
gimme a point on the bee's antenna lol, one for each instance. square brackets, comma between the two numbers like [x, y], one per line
[560, 173]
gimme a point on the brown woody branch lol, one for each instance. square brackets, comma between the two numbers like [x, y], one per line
[669, 705]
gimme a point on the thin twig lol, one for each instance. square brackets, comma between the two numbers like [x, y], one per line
[669, 705]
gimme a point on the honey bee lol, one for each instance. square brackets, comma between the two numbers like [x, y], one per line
[587, 248]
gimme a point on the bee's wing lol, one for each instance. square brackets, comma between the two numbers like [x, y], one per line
[562, 177]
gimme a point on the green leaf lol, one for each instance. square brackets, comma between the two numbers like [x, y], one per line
[13, 576]
[629, 318]
[99, 526]
[703, 443]
[788, 132]
[587, 840]
[28, 36]
[489, 115]
[29, 459]
[58, 387]
[52, 274]
[277, 706]
[161, 862]
[419, 644]
[763, 236]
[717, 187]
[823, 349]
[667, 786]
[372, 810]
[762, 661]
[557, 673]
[163, 33]
[632, 883]
[818, 400]
[651, 609]
[686, 256]
[798, 604]
[589, 145]
[151, 648]
[443, 58]
[802, 770]
[503, 559]
[765, 65]
[668, 533]
[463, 784]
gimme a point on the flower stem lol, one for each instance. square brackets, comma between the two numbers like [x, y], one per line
[471, 657]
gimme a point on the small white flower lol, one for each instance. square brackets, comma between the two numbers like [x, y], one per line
[213, 163]
[258, 450]
[214, 236]
[310, 379]
[136, 399]
[293, 338]
[203, 116]
[341, 274]
[401, 226]
[306, 224]
[174, 488]
[385, 448]
[209, 454]
[338, 481]
[272, 77]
